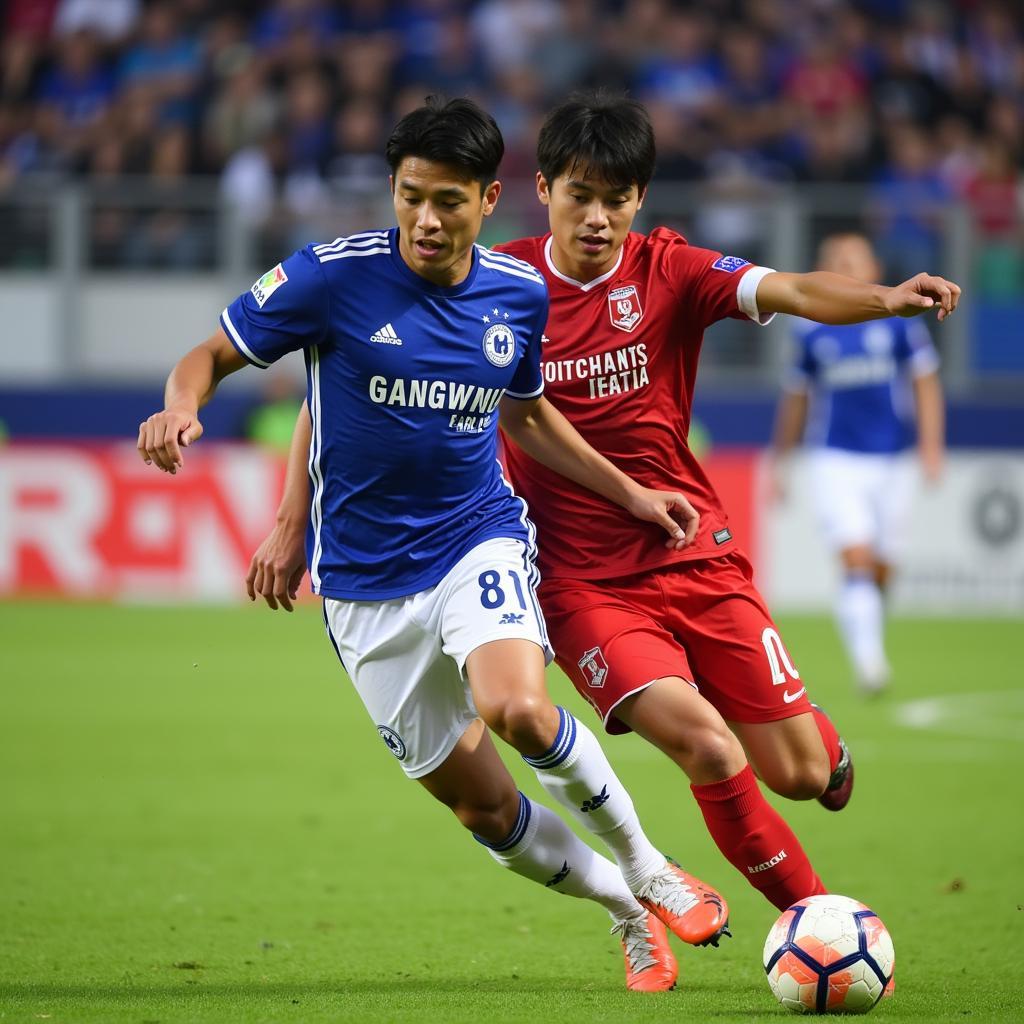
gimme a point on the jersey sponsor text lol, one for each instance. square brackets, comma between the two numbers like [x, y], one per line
[606, 373]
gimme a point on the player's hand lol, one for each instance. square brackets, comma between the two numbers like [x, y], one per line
[276, 570]
[670, 510]
[921, 293]
[164, 434]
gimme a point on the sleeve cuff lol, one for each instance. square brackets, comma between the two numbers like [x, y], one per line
[746, 295]
[524, 397]
[239, 342]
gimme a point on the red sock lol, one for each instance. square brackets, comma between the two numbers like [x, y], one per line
[756, 841]
[829, 737]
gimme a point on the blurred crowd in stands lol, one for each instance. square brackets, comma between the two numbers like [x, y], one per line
[289, 101]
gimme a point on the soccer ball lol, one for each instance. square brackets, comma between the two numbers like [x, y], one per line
[828, 954]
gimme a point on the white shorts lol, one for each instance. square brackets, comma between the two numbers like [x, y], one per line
[406, 657]
[862, 499]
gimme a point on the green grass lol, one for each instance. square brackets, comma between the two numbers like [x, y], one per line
[198, 823]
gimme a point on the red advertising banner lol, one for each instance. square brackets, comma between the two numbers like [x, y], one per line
[93, 521]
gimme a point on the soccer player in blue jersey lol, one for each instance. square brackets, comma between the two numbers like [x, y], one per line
[417, 341]
[865, 385]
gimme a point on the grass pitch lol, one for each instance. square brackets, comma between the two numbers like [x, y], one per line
[199, 823]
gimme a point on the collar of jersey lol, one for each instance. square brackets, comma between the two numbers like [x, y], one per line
[583, 287]
[421, 282]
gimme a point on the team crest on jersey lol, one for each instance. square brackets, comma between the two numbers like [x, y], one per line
[392, 741]
[730, 264]
[594, 668]
[499, 344]
[268, 284]
[624, 308]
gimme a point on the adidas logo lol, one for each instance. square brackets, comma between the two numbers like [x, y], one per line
[386, 336]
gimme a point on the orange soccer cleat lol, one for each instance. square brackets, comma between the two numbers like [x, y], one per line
[650, 963]
[694, 912]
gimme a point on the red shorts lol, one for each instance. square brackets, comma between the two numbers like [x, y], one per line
[703, 620]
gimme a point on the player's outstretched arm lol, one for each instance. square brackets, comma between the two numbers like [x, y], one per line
[190, 386]
[277, 567]
[836, 299]
[930, 412]
[789, 430]
[546, 435]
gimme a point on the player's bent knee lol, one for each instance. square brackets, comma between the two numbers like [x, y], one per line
[797, 781]
[527, 723]
[491, 819]
[717, 753]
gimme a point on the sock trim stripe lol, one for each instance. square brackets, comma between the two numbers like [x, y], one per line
[561, 748]
[518, 829]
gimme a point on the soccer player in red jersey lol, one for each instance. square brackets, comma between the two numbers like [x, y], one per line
[675, 645]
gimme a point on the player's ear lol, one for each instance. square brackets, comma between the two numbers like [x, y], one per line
[491, 194]
[543, 190]
[641, 197]
[391, 183]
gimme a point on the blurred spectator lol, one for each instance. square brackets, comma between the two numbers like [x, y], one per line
[995, 198]
[20, 59]
[284, 19]
[752, 118]
[242, 114]
[76, 93]
[565, 56]
[929, 39]
[307, 121]
[111, 20]
[453, 64]
[957, 145]
[365, 69]
[995, 41]
[172, 236]
[508, 31]
[31, 19]
[901, 92]
[164, 61]
[683, 70]
[824, 82]
[908, 197]
[358, 165]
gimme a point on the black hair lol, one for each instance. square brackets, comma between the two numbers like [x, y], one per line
[454, 132]
[598, 134]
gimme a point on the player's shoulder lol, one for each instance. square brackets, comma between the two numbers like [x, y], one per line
[349, 250]
[660, 238]
[528, 250]
[510, 265]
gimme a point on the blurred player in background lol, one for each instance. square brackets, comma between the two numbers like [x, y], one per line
[676, 645]
[416, 341]
[866, 385]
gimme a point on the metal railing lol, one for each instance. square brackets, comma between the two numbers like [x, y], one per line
[75, 233]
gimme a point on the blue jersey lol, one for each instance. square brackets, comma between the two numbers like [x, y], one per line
[404, 380]
[859, 379]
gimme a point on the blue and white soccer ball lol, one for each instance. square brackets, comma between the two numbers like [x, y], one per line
[828, 954]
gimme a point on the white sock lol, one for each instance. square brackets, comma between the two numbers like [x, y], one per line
[860, 613]
[544, 849]
[576, 772]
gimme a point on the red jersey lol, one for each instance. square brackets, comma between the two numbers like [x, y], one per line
[620, 362]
